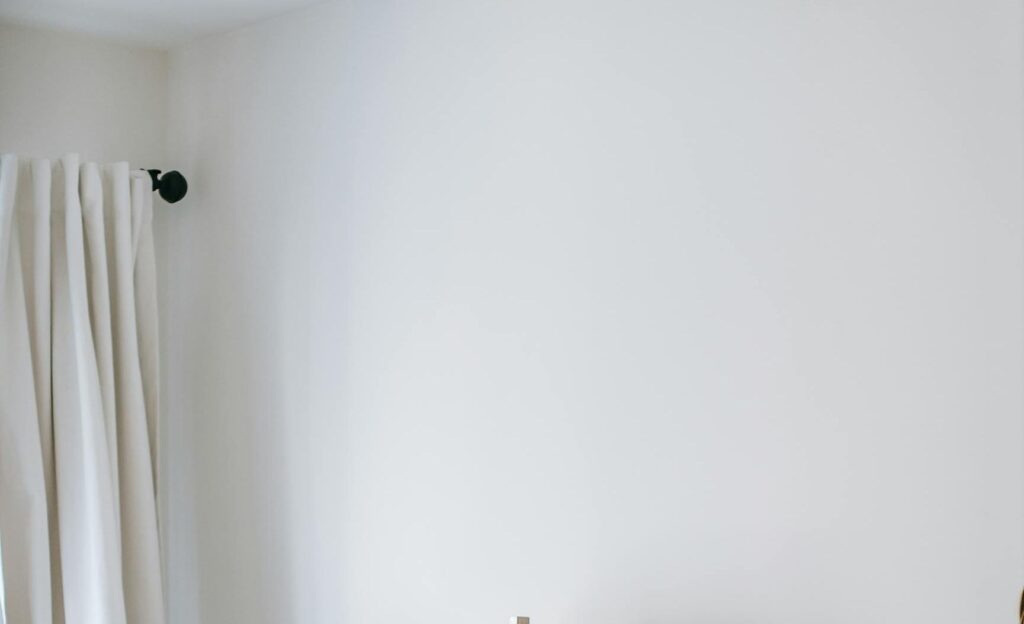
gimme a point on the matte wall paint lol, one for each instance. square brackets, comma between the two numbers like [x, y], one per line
[61, 93]
[644, 311]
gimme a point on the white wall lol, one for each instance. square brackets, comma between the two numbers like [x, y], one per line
[639, 311]
[61, 93]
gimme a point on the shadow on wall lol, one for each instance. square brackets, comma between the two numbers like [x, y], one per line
[237, 437]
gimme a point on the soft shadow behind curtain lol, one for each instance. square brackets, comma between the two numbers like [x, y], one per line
[78, 394]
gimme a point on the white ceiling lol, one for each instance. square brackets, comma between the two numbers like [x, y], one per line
[158, 23]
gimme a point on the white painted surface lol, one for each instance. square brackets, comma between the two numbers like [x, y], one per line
[62, 93]
[157, 23]
[722, 299]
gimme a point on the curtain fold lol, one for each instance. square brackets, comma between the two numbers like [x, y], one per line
[78, 394]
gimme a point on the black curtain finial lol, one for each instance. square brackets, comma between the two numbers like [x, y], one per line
[171, 185]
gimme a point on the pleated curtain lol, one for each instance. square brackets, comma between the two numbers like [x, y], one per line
[79, 539]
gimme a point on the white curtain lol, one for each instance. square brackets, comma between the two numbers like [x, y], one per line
[78, 395]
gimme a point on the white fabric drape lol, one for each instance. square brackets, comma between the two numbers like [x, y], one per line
[78, 394]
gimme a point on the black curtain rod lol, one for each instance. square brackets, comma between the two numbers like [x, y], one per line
[171, 185]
